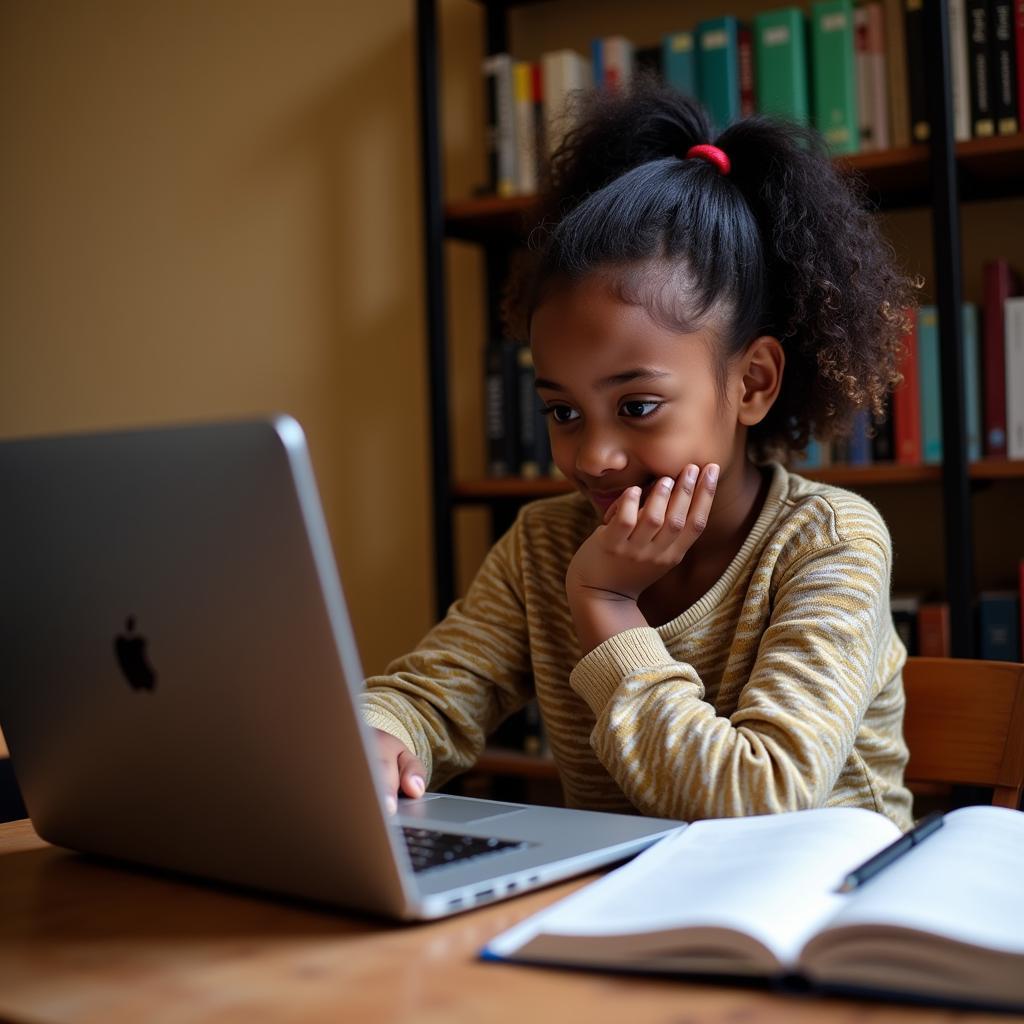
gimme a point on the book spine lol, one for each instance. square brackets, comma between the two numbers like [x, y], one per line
[865, 110]
[499, 65]
[929, 382]
[618, 64]
[920, 121]
[983, 123]
[999, 626]
[904, 611]
[748, 91]
[526, 132]
[540, 143]
[499, 409]
[877, 75]
[679, 62]
[859, 450]
[780, 64]
[1004, 67]
[972, 381]
[883, 444]
[1014, 332]
[933, 632]
[597, 63]
[718, 70]
[998, 286]
[834, 77]
[906, 403]
[491, 129]
[896, 69]
[534, 453]
[960, 77]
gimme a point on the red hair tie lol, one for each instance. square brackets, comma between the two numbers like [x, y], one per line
[713, 155]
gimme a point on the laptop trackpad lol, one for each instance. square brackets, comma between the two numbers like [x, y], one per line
[454, 809]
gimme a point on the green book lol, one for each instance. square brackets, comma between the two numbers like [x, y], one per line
[679, 62]
[834, 75]
[930, 383]
[718, 69]
[780, 59]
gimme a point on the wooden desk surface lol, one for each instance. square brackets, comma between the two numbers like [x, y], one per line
[84, 941]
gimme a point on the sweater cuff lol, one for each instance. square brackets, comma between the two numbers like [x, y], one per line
[376, 718]
[598, 675]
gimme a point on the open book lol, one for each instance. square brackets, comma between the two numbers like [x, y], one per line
[757, 897]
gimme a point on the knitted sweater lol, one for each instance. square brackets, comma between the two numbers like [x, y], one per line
[779, 689]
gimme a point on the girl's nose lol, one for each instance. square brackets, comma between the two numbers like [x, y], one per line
[598, 453]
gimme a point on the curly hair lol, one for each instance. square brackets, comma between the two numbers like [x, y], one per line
[783, 245]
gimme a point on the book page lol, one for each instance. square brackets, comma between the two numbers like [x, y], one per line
[771, 877]
[964, 882]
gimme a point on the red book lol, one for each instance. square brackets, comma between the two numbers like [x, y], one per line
[933, 636]
[745, 45]
[906, 402]
[1000, 283]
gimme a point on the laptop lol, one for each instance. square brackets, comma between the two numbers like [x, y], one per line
[179, 684]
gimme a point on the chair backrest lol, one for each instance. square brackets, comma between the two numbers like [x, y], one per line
[964, 723]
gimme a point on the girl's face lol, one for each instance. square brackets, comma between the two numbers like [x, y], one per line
[627, 400]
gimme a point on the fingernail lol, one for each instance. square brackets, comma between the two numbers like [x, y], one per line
[391, 804]
[417, 784]
[712, 474]
[667, 483]
[691, 475]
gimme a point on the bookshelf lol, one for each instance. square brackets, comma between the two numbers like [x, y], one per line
[937, 180]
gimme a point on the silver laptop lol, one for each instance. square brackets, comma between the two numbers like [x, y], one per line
[179, 684]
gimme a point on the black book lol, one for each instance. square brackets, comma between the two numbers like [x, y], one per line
[500, 400]
[1004, 68]
[917, 87]
[979, 48]
[883, 444]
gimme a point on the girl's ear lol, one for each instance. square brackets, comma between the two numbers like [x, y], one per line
[761, 367]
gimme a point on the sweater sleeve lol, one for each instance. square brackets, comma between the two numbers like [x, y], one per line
[470, 672]
[797, 716]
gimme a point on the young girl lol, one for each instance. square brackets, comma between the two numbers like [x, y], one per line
[706, 633]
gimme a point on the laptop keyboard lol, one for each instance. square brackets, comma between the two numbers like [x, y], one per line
[431, 849]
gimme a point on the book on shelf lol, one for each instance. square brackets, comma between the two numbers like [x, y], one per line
[780, 62]
[748, 85]
[501, 121]
[1004, 67]
[930, 383]
[972, 381]
[917, 82]
[756, 898]
[872, 101]
[896, 72]
[533, 458]
[500, 391]
[612, 62]
[718, 69]
[906, 401]
[1000, 283]
[1014, 351]
[883, 441]
[999, 625]
[905, 609]
[679, 62]
[525, 127]
[983, 122]
[565, 72]
[834, 75]
[959, 70]
[934, 639]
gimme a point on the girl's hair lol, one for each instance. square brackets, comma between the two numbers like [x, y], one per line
[782, 245]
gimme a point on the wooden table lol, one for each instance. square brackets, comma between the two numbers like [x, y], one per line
[81, 940]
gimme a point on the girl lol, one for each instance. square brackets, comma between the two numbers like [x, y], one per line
[706, 633]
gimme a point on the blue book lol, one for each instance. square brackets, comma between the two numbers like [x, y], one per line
[597, 63]
[718, 69]
[999, 625]
[858, 452]
[679, 62]
[930, 384]
[972, 381]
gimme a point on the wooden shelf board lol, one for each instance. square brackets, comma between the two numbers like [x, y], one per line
[898, 176]
[879, 474]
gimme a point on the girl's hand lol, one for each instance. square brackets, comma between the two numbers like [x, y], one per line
[636, 546]
[403, 771]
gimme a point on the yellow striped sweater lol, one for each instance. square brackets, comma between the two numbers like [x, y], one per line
[779, 689]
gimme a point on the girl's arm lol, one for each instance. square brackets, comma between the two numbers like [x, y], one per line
[468, 674]
[797, 717]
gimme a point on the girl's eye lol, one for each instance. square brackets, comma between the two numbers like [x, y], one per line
[638, 409]
[561, 413]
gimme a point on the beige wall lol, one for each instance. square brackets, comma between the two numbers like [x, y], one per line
[212, 208]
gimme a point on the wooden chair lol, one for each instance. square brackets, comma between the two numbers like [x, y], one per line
[964, 724]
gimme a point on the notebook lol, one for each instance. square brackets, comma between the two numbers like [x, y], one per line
[757, 898]
[179, 683]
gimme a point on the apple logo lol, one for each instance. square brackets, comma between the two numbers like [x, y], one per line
[130, 648]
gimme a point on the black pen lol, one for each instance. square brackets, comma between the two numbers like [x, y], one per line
[884, 858]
